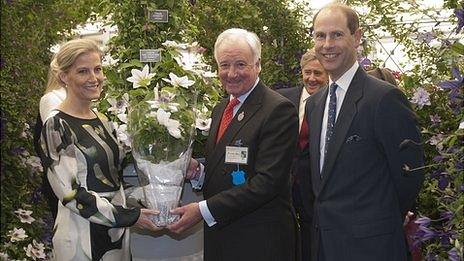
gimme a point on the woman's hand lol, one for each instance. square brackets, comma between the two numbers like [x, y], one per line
[145, 220]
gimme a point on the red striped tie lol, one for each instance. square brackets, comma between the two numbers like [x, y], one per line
[304, 133]
[226, 118]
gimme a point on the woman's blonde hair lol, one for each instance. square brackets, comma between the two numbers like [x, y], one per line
[65, 58]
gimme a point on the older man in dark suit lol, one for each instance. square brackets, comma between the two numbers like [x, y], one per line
[365, 151]
[247, 207]
[314, 77]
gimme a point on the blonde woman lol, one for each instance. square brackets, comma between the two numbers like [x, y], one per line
[82, 160]
[55, 93]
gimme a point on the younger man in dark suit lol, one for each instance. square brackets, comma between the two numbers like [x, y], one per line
[364, 149]
[246, 183]
[314, 77]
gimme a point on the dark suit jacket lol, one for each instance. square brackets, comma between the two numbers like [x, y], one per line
[364, 193]
[301, 161]
[255, 220]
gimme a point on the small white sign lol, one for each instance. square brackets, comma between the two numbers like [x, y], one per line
[236, 155]
[159, 16]
[150, 55]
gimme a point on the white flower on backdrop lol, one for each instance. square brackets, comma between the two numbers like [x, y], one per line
[141, 78]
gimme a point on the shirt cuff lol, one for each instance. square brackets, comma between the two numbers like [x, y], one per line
[209, 219]
[198, 183]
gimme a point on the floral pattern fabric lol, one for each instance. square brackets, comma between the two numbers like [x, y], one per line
[83, 167]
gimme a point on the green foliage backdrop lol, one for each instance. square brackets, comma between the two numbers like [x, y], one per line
[29, 28]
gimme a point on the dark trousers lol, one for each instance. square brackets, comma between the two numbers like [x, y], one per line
[304, 225]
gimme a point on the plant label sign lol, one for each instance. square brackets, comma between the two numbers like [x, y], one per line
[150, 55]
[159, 16]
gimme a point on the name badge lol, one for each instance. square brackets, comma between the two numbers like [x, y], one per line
[236, 155]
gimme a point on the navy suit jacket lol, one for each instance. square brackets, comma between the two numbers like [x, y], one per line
[363, 192]
[255, 220]
[300, 166]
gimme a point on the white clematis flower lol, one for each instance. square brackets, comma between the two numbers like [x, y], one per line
[176, 45]
[173, 126]
[179, 81]
[162, 116]
[118, 106]
[163, 101]
[34, 163]
[122, 117]
[209, 74]
[122, 134]
[17, 235]
[25, 216]
[141, 78]
[190, 61]
[35, 250]
[203, 124]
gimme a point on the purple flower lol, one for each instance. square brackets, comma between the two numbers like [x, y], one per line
[443, 182]
[421, 97]
[453, 84]
[425, 233]
[364, 62]
[426, 37]
[36, 196]
[435, 119]
[452, 150]
[431, 257]
[438, 158]
[453, 255]
[462, 187]
[459, 165]
[445, 240]
[447, 215]
[460, 15]
[436, 139]
[18, 150]
[422, 221]
[436, 173]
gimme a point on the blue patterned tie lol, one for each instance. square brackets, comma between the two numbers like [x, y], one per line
[331, 116]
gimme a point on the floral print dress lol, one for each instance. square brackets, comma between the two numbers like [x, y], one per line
[83, 167]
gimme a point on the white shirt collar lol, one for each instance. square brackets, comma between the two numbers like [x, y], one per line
[344, 81]
[304, 94]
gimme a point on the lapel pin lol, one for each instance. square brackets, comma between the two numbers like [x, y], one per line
[241, 116]
[238, 143]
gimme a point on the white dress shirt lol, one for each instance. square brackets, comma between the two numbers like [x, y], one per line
[301, 110]
[343, 83]
[197, 184]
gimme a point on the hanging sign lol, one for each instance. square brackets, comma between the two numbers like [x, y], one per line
[150, 55]
[158, 16]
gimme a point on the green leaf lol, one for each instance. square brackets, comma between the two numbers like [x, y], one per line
[458, 48]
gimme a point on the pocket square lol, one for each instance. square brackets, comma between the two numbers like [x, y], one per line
[353, 138]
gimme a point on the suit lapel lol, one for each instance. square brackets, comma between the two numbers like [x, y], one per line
[296, 97]
[248, 109]
[215, 122]
[347, 113]
[314, 116]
